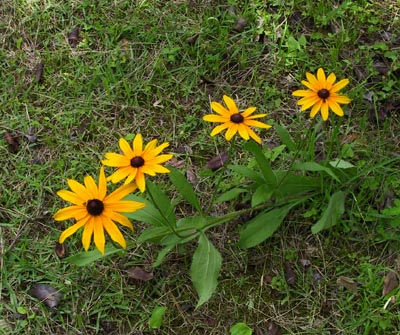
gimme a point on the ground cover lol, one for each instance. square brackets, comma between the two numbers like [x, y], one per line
[76, 76]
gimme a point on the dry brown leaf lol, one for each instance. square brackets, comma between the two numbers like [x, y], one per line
[39, 72]
[240, 25]
[192, 39]
[273, 329]
[217, 162]
[290, 275]
[73, 37]
[191, 175]
[140, 274]
[12, 141]
[47, 294]
[176, 163]
[61, 250]
[347, 283]
[390, 283]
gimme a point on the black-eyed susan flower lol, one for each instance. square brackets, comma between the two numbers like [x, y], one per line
[96, 211]
[234, 121]
[135, 161]
[322, 94]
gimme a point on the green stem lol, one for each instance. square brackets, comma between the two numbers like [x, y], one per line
[170, 225]
[219, 178]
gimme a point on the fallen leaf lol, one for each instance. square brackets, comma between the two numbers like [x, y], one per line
[12, 141]
[347, 283]
[273, 329]
[47, 294]
[73, 37]
[390, 283]
[176, 163]
[192, 39]
[240, 25]
[61, 250]
[217, 162]
[290, 275]
[191, 175]
[140, 274]
[305, 263]
[39, 72]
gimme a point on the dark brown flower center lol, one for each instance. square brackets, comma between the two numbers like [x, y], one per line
[323, 94]
[237, 118]
[95, 207]
[137, 162]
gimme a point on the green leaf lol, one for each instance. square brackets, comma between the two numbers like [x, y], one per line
[229, 195]
[285, 137]
[248, 173]
[262, 194]
[162, 202]
[241, 328]
[157, 315]
[162, 254]
[262, 162]
[149, 214]
[341, 164]
[395, 210]
[154, 234]
[184, 188]
[205, 269]
[312, 166]
[88, 257]
[293, 184]
[331, 214]
[262, 227]
[195, 222]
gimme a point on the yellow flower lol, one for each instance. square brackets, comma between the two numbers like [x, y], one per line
[235, 121]
[322, 94]
[135, 162]
[96, 211]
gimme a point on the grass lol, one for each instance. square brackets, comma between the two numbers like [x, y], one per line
[152, 67]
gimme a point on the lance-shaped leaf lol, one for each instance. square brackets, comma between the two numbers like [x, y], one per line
[331, 214]
[262, 226]
[87, 257]
[262, 162]
[285, 137]
[312, 166]
[149, 214]
[184, 188]
[205, 269]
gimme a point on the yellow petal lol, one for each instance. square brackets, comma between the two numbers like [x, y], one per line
[115, 160]
[303, 93]
[325, 111]
[249, 111]
[91, 187]
[137, 145]
[338, 86]
[254, 136]
[121, 219]
[71, 197]
[232, 130]
[243, 131]
[230, 103]
[341, 99]
[215, 118]
[122, 173]
[330, 81]
[316, 108]
[257, 124]
[125, 148]
[336, 108]
[151, 145]
[220, 128]
[72, 230]
[119, 193]
[308, 102]
[76, 212]
[114, 232]
[88, 232]
[321, 77]
[219, 109]
[125, 206]
[78, 188]
[98, 234]
[140, 181]
[102, 184]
